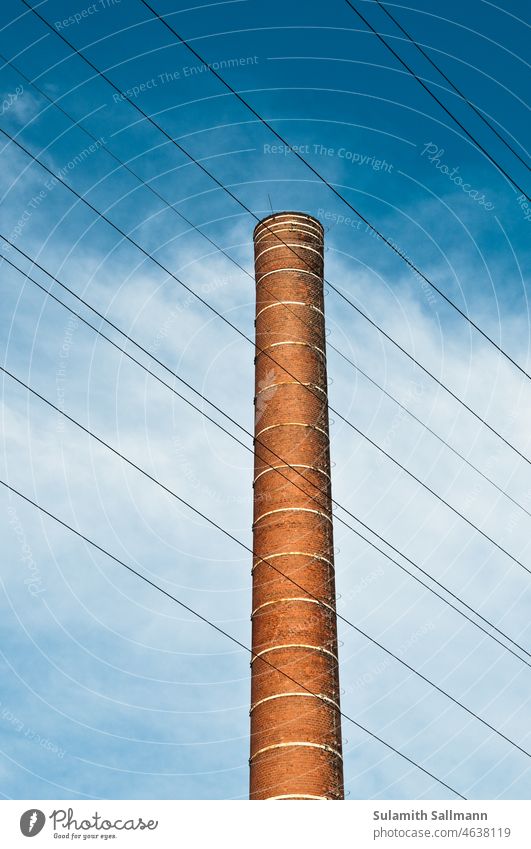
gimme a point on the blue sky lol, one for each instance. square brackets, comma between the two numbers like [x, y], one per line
[108, 689]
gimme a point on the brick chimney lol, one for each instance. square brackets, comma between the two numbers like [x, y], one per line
[295, 735]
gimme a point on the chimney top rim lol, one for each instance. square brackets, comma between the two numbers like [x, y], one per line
[288, 214]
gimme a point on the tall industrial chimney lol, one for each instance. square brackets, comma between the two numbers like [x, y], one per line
[295, 718]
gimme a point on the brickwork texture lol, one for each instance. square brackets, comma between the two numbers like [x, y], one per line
[295, 719]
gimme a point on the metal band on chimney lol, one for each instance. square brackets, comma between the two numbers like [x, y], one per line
[319, 696]
[308, 554]
[305, 743]
[306, 600]
[289, 303]
[293, 270]
[257, 655]
[292, 510]
[293, 466]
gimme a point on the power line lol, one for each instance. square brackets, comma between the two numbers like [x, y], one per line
[354, 626]
[332, 187]
[196, 228]
[450, 83]
[257, 441]
[235, 539]
[231, 194]
[224, 633]
[433, 377]
[32, 390]
[244, 336]
[247, 448]
[202, 300]
[434, 96]
[145, 183]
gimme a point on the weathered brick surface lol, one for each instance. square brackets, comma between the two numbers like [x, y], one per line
[285, 575]
[295, 739]
[277, 720]
[292, 531]
[312, 771]
[293, 621]
[294, 444]
[281, 671]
